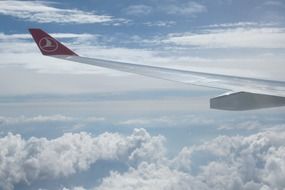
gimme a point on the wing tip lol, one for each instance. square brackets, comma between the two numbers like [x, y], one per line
[48, 45]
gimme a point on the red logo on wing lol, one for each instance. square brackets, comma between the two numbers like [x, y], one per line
[48, 44]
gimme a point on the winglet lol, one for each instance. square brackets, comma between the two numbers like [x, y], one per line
[48, 45]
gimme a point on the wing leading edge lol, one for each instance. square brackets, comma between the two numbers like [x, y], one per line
[261, 93]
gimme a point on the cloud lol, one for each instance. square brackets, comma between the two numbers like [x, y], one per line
[135, 122]
[5, 37]
[167, 121]
[137, 10]
[160, 23]
[74, 188]
[274, 3]
[189, 9]
[240, 37]
[25, 161]
[46, 118]
[36, 119]
[253, 162]
[239, 24]
[94, 119]
[147, 176]
[43, 12]
[252, 125]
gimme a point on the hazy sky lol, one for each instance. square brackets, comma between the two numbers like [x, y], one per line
[66, 126]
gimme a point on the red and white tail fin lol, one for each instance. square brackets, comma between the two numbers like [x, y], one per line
[48, 45]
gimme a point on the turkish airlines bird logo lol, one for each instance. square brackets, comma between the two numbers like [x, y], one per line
[48, 44]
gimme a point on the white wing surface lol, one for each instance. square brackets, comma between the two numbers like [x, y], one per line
[245, 93]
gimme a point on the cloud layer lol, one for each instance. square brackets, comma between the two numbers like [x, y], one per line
[190, 8]
[239, 37]
[226, 162]
[253, 162]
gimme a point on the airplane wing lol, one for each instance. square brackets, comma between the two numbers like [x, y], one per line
[243, 93]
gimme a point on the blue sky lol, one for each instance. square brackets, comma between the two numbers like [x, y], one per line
[74, 127]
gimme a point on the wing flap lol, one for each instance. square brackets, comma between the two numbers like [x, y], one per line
[241, 101]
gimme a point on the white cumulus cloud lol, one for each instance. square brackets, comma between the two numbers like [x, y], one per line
[253, 162]
[24, 161]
